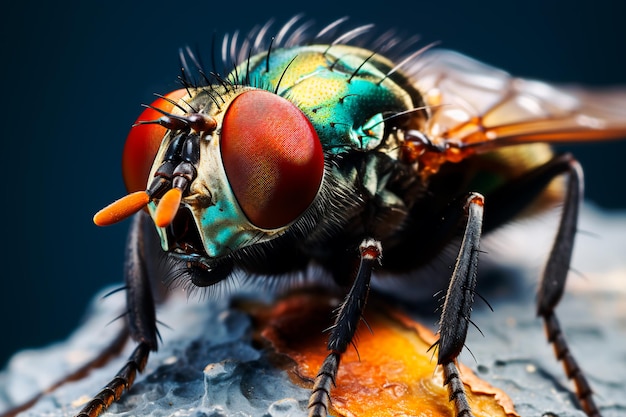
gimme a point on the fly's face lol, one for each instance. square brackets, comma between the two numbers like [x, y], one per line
[234, 166]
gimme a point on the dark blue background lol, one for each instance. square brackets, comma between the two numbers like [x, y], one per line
[74, 75]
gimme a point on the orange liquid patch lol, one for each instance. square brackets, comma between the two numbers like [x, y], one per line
[393, 374]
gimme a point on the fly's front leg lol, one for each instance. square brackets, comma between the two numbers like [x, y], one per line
[141, 318]
[553, 284]
[457, 307]
[346, 322]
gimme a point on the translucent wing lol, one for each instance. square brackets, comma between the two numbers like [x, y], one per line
[478, 105]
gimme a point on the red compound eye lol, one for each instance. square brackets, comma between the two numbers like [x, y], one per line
[143, 142]
[272, 157]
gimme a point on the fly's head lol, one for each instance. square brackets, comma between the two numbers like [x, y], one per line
[227, 167]
[294, 140]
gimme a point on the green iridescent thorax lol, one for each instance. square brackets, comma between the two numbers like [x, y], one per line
[343, 93]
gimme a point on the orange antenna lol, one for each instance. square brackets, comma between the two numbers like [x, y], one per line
[168, 207]
[122, 208]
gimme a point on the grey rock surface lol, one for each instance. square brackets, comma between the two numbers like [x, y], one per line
[208, 365]
[205, 367]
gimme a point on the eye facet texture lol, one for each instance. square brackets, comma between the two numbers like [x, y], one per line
[272, 156]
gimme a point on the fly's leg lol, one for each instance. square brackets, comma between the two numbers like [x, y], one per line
[122, 381]
[457, 307]
[141, 316]
[553, 284]
[503, 205]
[342, 332]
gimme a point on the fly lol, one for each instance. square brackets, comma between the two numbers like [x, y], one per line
[317, 150]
